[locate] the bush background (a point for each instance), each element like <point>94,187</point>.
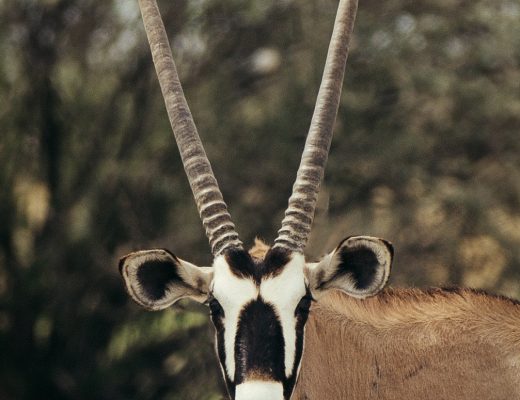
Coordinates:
<point>425,154</point>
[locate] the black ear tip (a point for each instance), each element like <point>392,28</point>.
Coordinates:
<point>389,246</point>
<point>171,254</point>
<point>342,242</point>
<point>121,263</point>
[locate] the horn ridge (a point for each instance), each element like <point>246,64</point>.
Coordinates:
<point>196,164</point>
<point>299,215</point>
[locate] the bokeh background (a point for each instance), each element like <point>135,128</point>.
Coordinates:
<point>426,153</point>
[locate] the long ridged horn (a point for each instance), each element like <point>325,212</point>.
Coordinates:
<point>297,222</point>
<point>210,203</point>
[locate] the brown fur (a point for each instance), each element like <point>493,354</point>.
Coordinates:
<point>412,344</point>
<point>259,250</point>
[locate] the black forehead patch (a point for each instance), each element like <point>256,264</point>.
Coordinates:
<point>275,260</point>
<point>243,265</point>
<point>259,343</point>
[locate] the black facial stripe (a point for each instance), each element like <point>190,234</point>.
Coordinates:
<point>302,313</point>
<point>259,343</point>
<point>217,319</point>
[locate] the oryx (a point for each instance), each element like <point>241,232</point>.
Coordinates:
<point>259,301</point>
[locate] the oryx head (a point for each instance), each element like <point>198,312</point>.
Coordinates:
<point>258,305</point>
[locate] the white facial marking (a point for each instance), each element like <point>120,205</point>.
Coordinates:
<point>232,293</point>
<point>284,292</point>
<point>259,390</point>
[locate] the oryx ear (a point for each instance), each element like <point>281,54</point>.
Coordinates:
<point>359,266</point>
<point>156,278</point>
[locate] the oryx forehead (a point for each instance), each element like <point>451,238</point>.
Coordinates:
<point>288,285</point>
<point>279,288</point>
<point>229,288</point>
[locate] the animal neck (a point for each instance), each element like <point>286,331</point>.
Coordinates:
<point>411,344</point>
<point>416,310</point>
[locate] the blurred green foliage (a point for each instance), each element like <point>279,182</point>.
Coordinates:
<point>426,154</point>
